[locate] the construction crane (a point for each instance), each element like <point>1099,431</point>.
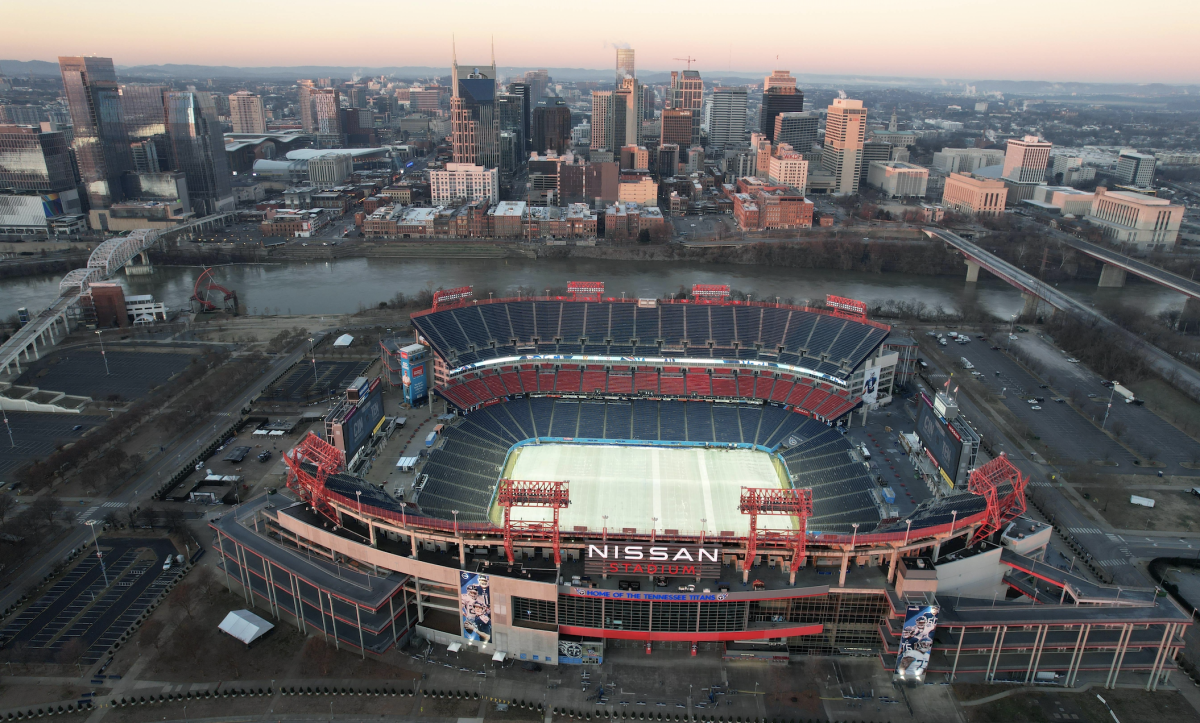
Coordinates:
<point>689,60</point>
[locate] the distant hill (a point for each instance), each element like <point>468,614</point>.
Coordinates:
<point>740,77</point>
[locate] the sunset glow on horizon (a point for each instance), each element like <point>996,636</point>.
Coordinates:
<point>1072,40</point>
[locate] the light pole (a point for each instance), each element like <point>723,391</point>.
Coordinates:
<point>1011,324</point>
<point>92,524</point>
<point>653,528</point>
<point>1111,392</point>
<point>8,426</point>
<point>703,529</point>
<point>953,521</point>
<point>102,354</point>
<point>604,530</point>
<point>312,351</point>
<point>854,537</point>
<point>907,529</point>
<point>455,513</point>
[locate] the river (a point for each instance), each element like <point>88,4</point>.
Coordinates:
<point>341,286</point>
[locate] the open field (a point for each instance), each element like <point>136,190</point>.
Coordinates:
<point>680,486</point>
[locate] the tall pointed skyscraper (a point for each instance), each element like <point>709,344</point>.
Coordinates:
<point>474,122</point>
<point>198,146</point>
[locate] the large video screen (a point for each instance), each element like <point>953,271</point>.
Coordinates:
<point>945,448</point>
<point>359,427</point>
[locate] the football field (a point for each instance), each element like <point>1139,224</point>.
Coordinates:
<point>680,486</point>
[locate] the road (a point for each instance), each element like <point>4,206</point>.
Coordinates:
<point>1159,276</point>
<point>1162,362</point>
<point>165,465</point>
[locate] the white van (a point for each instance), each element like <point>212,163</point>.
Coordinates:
<point>966,363</point>
<point>167,562</point>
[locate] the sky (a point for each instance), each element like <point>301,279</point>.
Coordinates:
<point>1064,40</point>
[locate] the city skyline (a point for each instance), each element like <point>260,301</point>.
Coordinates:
<point>996,54</point>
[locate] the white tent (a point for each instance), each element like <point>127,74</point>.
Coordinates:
<point>245,626</point>
<point>343,340</point>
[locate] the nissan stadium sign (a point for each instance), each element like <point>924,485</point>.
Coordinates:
<point>651,559</point>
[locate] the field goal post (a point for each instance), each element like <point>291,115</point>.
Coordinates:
<point>530,493</point>
<point>788,502</point>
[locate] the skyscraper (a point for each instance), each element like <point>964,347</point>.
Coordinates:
<point>1135,169</point>
<point>845,133</point>
<point>779,96</point>
<point>101,143</point>
<point>551,126</point>
<point>198,147</point>
<point>632,95</point>
<point>799,130</point>
<point>474,122</point>
<point>246,113</point>
<point>304,89</point>
<point>625,67</point>
<point>676,127</point>
<point>510,110</point>
<point>146,126</point>
<point>524,90</point>
<point>687,93</point>
<point>727,126</point>
<point>1026,159</point>
<point>602,101</point>
<point>34,160</point>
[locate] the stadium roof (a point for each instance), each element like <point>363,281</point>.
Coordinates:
<point>304,154</point>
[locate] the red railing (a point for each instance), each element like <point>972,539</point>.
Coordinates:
<point>614,300</point>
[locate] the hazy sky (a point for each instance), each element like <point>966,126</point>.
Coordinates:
<point>1096,40</point>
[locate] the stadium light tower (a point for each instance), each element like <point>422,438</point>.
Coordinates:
<point>529,493</point>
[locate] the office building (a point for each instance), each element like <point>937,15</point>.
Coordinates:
<point>1026,160</point>
<point>760,146</point>
<point>727,123</point>
<point>475,123</point>
<point>551,126</point>
<point>510,110</point>
<point>246,113</point>
<point>1135,218</point>
<point>101,142</point>
<point>649,101</point>
<point>666,160</point>
<point>899,180</point>
<point>780,95</point>
<point>1066,200</point>
<point>198,149</point>
<point>1135,169</point>
<point>600,181</point>
<point>676,127</point>
<point>845,132</point>
<point>525,91</point>
<point>466,181</point>
<point>798,130</point>
<point>329,170</point>
<point>34,160</point>
<point>625,65</point>
<point>581,135</point>
<point>788,168</point>
<point>629,103</point>
<point>602,101</point>
<point>966,160</point>
<point>639,188</point>
<point>687,93</point>
<point>972,194</point>
<point>635,158</point>
<point>146,126</point>
<point>873,151</point>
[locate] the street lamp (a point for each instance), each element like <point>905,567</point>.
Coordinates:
<point>653,528</point>
<point>1111,392</point>
<point>102,354</point>
<point>455,513</point>
<point>907,529</point>
<point>604,530</point>
<point>703,529</point>
<point>312,351</point>
<point>9,428</point>
<point>854,537</point>
<point>92,524</point>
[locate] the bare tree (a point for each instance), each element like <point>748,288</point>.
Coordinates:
<point>46,508</point>
<point>6,504</point>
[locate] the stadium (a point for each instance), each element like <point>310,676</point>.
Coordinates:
<point>675,473</point>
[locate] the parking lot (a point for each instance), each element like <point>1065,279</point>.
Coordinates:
<point>131,374</point>
<point>36,435</point>
<point>81,616</point>
<point>1072,437</point>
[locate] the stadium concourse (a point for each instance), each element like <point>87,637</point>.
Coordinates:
<point>674,473</point>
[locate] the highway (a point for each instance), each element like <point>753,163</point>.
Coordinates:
<point>1164,278</point>
<point>163,466</point>
<point>1165,364</point>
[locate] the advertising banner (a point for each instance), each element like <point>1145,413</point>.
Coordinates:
<point>475,602</point>
<point>945,450</point>
<point>358,428</point>
<point>415,384</point>
<point>916,642</point>
<point>645,559</point>
<point>871,386</point>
